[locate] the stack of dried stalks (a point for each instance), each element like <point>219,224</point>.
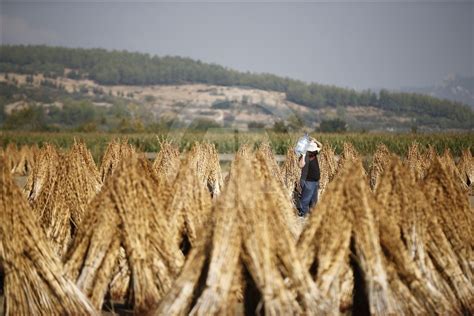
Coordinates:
<point>190,205</point>
<point>167,161</point>
<point>415,161</point>
<point>448,161</point>
<point>291,173</point>
<point>266,153</point>
<point>349,154</point>
<point>251,237</point>
<point>407,229</point>
<point>126,214</point>
<point>328,166</point>
<point>451,207</point>
<point>466,169</point>
<point>324,246</point>
<point>34,281</point>
<point>61,202</point>
<point>22,160</point>
<point>378,279</point>
<point>11,156</point>
<point>114,153</point>
<point>208,167</point>
<point>44,171</point>
<point>266,168</point>
<point>379,163</point>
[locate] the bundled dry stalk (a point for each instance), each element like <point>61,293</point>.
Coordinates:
<point>451,206</point>
<point>248,230</point>
<point>11,156</point>
<point>416,161</point>
<point>379,163</point>
<point>35,282</point>
<point>404,234</point>
<point>264,166</point>
<point>82,181</point>
<point>448,162</point>
<point>324,246</point>
<point>44,171</point>
<point>328,166</point>
<point>126,213</point>
<point>207,167</point>
<point>368,252</point>
<point>21,161</point>
<point>266,154</point>
<point>350,156</point>
<point>291,173</point>
<point>190,206</point>
<point>116,151</point>
<point>466,169</point>
<point>63,198</point>
<point>167,161</point>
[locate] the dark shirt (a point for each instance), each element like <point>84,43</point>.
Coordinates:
<point>311,170</point>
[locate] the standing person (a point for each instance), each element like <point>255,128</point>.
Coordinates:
<point>310,175</point>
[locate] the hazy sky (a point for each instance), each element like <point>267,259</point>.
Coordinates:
<point>351,44</point>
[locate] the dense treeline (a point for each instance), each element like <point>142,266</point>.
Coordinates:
<point>122,67</point>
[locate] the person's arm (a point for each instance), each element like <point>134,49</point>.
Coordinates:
<point>317,142</point>
<point>301,161</point>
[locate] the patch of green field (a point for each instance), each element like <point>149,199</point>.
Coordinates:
<point>228,141</point>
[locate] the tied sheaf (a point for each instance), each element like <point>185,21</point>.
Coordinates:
<point>174,236</point>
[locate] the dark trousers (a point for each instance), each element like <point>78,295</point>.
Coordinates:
<point>309,196</point>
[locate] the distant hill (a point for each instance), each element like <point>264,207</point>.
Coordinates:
<point>167,85</point>
<point>455,88</point>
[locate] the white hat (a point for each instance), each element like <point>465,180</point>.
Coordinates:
<point>313,146</point>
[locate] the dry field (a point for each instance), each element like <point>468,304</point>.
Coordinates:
<point>173,236</point>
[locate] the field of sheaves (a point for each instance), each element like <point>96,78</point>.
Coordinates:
<point>177,236</point>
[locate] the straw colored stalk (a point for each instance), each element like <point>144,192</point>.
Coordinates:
<point>448,161</point>
<point>368,252</point>
<point>328,165</point>
<point>245,152</point>
<point>446,262</point>
<point>282,247</point>
<point>350,156</point>
<point>404,234</point>
<point>466,169</point>
<point>116,151</point>
<point>208,167</point>
<point>379,163</point>
<point>118,288</point>
<point>126,213</point>
<point>291,173</point>
<point>246,227</point>
<point>190,206</point>
<point>35,282</point>
<point>215,181</point>
<point>11,156</point>
<point>266,154</point>
<point>264,168</point>
<point>179,299</point>
<point>415,161</point>
<point>224,258</point>
<point>61,203</point>
<point>451,206</point>
<point>216,258</point>
<point>44,171</point>
<point>325,249</point>
<point>167,161</point>
<point>25,161</point>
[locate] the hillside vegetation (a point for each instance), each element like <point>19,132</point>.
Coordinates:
<point>112,68</point>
